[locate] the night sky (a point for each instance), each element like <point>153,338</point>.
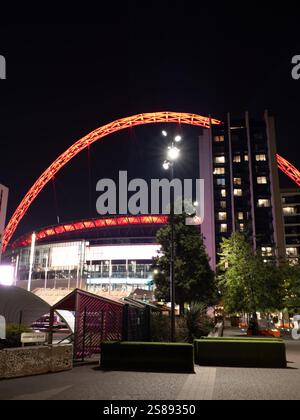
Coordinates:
<point>64,80</point>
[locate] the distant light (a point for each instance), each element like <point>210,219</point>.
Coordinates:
<point>178,139</point>
<point>166,165</point>
<point>6,275</point>
<point>196,204</point>
<point>155,271</point>
<point>173,153</point>
<point>164,133</point>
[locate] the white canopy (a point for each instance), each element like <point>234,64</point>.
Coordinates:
<point>17,305</point>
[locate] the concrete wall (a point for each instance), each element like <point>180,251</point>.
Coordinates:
<point>27,361</point>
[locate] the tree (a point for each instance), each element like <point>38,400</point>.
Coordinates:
<point>292,287</point>
<point>194,279</point>
<point>248,283</point>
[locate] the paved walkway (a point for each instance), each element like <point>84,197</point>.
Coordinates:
<point>86,382</point>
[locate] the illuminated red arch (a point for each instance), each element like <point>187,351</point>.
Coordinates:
<point>288,169</point>
<point>77,147</point>
<point>103,131</point>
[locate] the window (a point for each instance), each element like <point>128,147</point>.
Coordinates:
<point>241,227</point>
<point>237,158</point>
<point>240,215</point>
<point>220,159</point>
<point>221,181</point>
<point>219,139</point>
<point>223,193</point>
<point>263,202</point>
<point>219,171</point>
<point>237,192</point>
<point>222,215</point>
<point>261,157</point>
<point>223,227</point>
<point>246,158</point>
<point>237,181</point>
<point>289,210</point>
<point>291,252</point>
<point>223,204</point>
<point>262,180</point>
<point>266,251</point>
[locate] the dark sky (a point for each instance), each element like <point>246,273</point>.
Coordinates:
<point>64,80</point>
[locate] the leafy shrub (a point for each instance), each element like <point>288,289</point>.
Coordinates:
<point>194,324</point>
<point>197,322</point>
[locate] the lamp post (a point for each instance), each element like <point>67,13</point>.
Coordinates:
<point>173,155</point>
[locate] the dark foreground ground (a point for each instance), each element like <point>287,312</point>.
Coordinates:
<point>86,382</point>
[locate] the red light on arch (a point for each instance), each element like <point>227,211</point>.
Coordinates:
<point>288,169</point>
<point>103,131</point>
<point>77,147</point>
<point>86,225</point>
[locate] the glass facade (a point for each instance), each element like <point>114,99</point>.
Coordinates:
<point>123,267</point>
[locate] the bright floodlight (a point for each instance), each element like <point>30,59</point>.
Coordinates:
<point>173,153</point>
<point>6,275</point>
<point>166,165</point>
<point>178,139</point>
<point>164,133</point>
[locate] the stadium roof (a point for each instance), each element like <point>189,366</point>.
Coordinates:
<point>89,227</point>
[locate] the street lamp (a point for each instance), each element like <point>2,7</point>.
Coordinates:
<point>173,154</point>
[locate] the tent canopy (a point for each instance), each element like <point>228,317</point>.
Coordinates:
<point>19,306</point>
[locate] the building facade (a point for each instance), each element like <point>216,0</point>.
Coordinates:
<point>3,209</point>
<point>110,255</point>
<point>238,165</point>
<point>291,213</point>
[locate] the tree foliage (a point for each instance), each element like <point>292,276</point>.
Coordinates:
<point>292,287</point>
<point>194,279</point>
<point>248,283</point>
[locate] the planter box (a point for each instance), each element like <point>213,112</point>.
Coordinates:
<point>26,361</point>
<point>61,358</point>
<point>240,353</point>
<point>35,360</point>
<point>155,357</point>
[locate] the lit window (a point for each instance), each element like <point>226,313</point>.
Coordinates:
<point>237,158</point>
<point>263,202</point>
<point>223,227</point>
<point>240,215</point>
<point>242,227</point>
<point>220,159</point>
<point>262,180</point>
<point>266,251</point>
<point>221,181</point>
<point>223,193</point>
<point>218,139</point>
<point>238,192</point>
<point>219,171</point>
<point>261,157</point>
<point>237,181</point>
<point>289,210</point>
<point>222,215</point>
<point>223,204</point>
<point>291,252</point>
<point>246,158</point>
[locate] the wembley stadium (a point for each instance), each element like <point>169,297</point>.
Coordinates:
<point>111,255</point>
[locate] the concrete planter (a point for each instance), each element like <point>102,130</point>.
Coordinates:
<point>35,360</point>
